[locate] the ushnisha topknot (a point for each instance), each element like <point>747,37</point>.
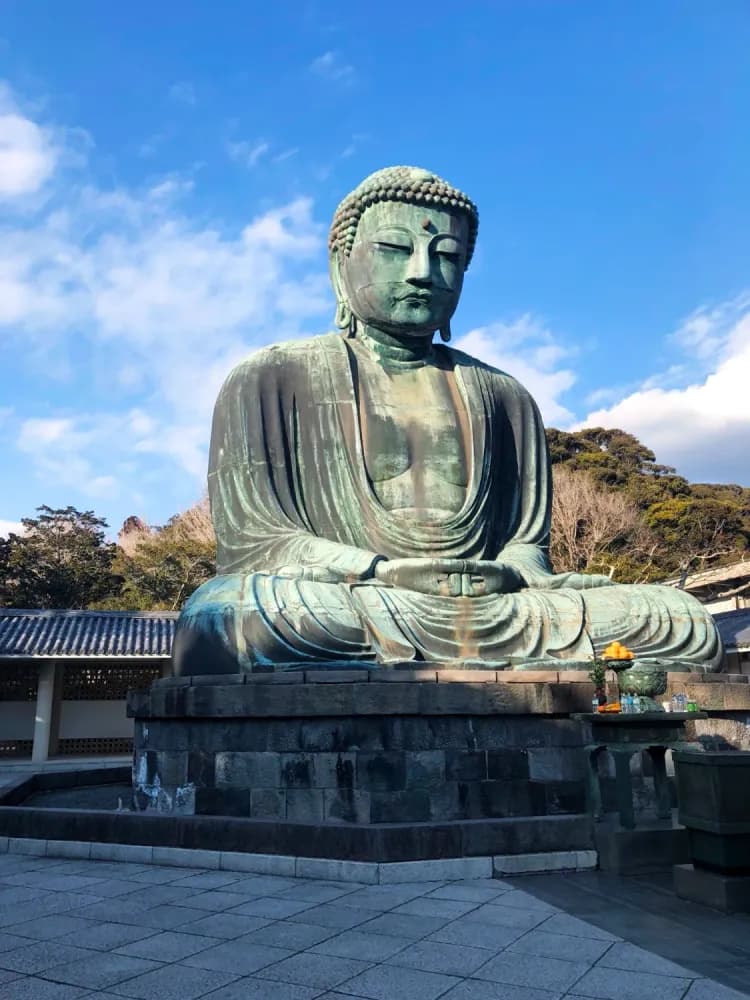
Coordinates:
<point>406,184</point>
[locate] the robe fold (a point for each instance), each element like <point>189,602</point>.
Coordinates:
<point>299,528</point>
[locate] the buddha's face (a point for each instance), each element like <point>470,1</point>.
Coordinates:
<point>406,267</point>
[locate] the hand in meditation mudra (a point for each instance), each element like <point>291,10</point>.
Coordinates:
<point>380,498</point>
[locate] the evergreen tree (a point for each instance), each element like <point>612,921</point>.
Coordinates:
<point>62,560</point>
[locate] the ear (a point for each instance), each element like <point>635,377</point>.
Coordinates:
<point>343,309</point>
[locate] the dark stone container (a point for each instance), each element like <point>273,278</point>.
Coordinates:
<point>713,791</point>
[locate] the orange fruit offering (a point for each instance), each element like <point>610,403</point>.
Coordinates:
<point>616,651</point>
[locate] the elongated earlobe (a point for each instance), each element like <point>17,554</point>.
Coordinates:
<point>445,332</point>
<point>343,317</point>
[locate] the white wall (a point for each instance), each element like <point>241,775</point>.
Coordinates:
<point>94,719</point>
<point>78,720</point>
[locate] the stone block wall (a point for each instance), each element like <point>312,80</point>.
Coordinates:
<point>351,747</point>
<point>408,769</point>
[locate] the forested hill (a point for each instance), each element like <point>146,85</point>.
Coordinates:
<point>615,510</point>
<point>619,511</point>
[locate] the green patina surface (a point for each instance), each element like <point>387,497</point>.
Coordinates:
<point>380,497</point>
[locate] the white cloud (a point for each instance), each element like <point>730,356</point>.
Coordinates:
<point>528,351</point>
<point>28,154</point>
<point>702,425</point>
<point>8,527</point>
<point>248,153</point>
<point>332,66</point>
<point>157,307</point>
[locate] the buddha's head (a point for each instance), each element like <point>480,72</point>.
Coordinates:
<point>399,246</point>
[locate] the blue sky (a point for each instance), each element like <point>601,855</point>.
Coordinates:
<point>168,172</point>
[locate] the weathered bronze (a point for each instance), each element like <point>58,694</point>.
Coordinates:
<point>379,497</point>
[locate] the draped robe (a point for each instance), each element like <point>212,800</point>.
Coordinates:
<point>299,528</point>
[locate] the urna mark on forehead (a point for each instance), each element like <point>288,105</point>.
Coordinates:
<point>400,185</point>
<point>421,221</point>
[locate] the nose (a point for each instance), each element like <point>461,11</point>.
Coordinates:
<point>419,271</point>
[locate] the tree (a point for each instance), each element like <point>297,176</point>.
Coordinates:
<point>700,531</point>
<point>161,567</point>
<point>598,530</point>
<point>690,524</point>
<point>62,560</point>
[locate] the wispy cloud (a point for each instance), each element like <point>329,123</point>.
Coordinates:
<point>151,145</point>
<point>183,92</point>
<point>332,66</point>
<point>248,153</point>
<point>286,155</point>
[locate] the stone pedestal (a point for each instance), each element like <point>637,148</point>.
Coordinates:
<point>364,748</point>
<point>645,849</point>
<point>728,893</point>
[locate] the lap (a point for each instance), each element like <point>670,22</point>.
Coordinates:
<point>282,620</point>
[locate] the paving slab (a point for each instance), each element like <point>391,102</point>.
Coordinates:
<point>403,925</point>
<point>516,969</point>
<point>319,971</point>
<point>386,982</point>
<point>40,955</point>
<point>466,892</point>
<point>616,984</point>
<point>704,989</point>
<point>549,945</point>
<point>29,988</point>
<point>54,926</point>
<point>107,936</point>
<point>286,934</point>
<point>225,925</point>
<point>272,907</point>
<point>333,915</point>
<point>438,956</point>
<point>631,958</point>
<point>474,989</point>
<point>491,937</point>
<point>97,971</point>
<point>240,957</point>
<point>173,982</point>
<point>366,947</point>
<point>563,923</point>
<point>263,989</point>
<point>429,906</point>
<point>168,946</point>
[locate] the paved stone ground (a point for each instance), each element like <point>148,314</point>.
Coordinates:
<point>110,930</point>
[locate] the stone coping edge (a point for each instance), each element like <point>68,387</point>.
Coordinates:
<point>328,869</point>
<point>408,673</point>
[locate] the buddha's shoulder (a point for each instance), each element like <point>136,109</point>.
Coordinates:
<point>500,380</point>
<point>286,354</point>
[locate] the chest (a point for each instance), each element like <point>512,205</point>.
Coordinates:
<point>413,421</point>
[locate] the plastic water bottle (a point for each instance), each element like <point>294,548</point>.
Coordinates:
<point>627,703</point>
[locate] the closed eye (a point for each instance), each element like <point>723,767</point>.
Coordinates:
<point>400,247</point>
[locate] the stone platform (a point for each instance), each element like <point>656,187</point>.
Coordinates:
<point>362,746</point>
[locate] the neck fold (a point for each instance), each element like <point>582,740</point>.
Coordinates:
<point>398,352</point>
